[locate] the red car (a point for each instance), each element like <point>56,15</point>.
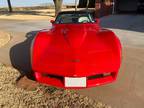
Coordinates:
<point>76,52</point>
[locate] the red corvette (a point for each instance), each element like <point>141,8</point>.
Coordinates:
<point>76,52</point>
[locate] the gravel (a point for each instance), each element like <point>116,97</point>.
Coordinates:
<point>4,38</point>
<point>42,96</point>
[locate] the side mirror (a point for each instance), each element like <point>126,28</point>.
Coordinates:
<point>52,21</point>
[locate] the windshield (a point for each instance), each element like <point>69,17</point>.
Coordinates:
<point>68,18</point>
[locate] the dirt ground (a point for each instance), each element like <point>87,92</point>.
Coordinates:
<point>40,14</point>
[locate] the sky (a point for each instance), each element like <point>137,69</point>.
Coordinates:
<point>3,3</point>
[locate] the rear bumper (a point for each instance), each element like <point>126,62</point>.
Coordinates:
<point>92,81</point>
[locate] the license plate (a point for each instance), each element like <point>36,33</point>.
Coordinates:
<point>75,82</point>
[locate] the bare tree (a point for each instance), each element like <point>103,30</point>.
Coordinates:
<point>58,6</point>
<point>9,5</point>
<point>76,5</point>
<point>87,5</point>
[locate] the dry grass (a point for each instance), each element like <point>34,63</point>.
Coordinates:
<point>41,97</point>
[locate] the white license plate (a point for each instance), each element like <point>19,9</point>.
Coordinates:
<point>75,82</point>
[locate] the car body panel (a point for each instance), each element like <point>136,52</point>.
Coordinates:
<point>76,50</point>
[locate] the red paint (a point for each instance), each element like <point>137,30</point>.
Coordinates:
<point>76,50</point>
